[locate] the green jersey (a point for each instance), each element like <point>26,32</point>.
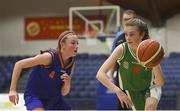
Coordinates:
<point>132,75</point>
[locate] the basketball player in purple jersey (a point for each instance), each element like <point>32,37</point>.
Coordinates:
<point>50,78</point>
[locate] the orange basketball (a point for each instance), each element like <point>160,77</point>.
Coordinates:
<point>149,53</point>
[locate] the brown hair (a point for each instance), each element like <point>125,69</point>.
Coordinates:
<point>141,25</point>
<point>62,37</point>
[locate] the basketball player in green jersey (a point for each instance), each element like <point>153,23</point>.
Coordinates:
<point>142,86</point>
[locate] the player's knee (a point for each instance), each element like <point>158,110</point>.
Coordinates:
<point>150,106</point>
<point>151,103</point>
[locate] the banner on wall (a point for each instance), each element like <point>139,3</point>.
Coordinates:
<point>42,28</point>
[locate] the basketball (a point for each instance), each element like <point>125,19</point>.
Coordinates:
<point>150,53</point>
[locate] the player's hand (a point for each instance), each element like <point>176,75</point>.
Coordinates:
<point>66,78</point>
<point>124,99</point>
<point>14,97</point>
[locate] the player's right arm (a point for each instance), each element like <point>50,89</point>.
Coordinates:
<point>110,73</point>
<point>41,59</point>
<point>101,76</point>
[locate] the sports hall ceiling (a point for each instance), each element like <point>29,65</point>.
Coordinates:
<point>156,11</point>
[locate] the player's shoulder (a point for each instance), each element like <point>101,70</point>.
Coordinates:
<point>53,51</point>
<point>43,56</point>
<point>122,45</point>
<point>119,48</point>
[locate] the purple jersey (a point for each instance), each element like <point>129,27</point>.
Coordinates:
<point>45,82</point>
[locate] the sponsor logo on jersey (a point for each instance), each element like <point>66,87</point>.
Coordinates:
<point>135,69</point>
<point>126,65</point>
<point>52,74</point>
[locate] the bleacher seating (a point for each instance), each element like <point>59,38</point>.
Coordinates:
<point>6,69</point>
<point>84,84</point>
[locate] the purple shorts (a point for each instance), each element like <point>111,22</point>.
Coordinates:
<point>32,102</point>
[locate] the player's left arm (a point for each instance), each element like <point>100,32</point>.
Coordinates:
<point>67,82</point>
<point>159,75</point>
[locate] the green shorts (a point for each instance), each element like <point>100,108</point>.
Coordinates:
<point>139,97</point>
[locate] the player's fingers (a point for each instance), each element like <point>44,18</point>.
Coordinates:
<point>129,103</point>
<point>64,76</point>
<point>12,99</point>
<point>17,99</point>
<point>126,104</point>
<point>122,104</point>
